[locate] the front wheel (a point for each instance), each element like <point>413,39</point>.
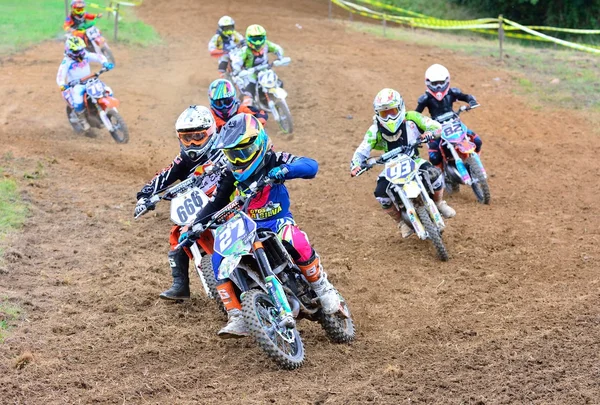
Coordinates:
<point>208,274</point>
<point>120,133</point>
<point>480,185</point>
<point>283,345</point>
<point>337,327</point>
<point>432,232</point>
<point>285,117</point>
<point>108,54</point>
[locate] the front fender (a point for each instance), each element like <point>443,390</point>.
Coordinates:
<point>278,92</point>
<point>108,102</point>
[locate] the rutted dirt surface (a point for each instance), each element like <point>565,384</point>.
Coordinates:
<point>512,318</point>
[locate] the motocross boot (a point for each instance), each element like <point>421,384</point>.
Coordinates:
<point>236,326</point>
<point>405,229</point>
<point>180,264</point>
<point>316,276</point>
<point>85,125</point>
<point>446,210</point>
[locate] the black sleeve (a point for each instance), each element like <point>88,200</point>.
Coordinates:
<point>220,199</point>
<point>179,169</point>
<point>459,95</point>
<point>261,115</point>
<point>422,103</point>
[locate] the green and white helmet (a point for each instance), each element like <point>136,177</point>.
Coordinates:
<point>390,112</point>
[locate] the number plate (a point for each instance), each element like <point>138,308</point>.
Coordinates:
<point>92,33</point>
<point>186,206</point>
<point>453,131</point>
<point>95,88</point>
<point>400,170</point>
<point>235,237</point>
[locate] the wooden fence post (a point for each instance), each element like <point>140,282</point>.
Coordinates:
<point>330,9</point>
<point>384,25</point>
<point>501,34</point>
<point>350,17</point>
<point>116,21</point>
<point>66,8</point>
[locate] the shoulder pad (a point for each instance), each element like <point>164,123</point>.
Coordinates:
<point>455,90</point>
<point>424,97</point>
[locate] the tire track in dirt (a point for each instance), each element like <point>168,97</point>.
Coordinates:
<point>512,318</point>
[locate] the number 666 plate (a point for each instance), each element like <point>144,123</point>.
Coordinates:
<point>186,206</point>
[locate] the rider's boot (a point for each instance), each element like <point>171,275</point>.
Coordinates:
<point>316,276</point>
<point>405,229</point>
<point>180,264</point>
<point>236,326</point>
<point>85,125</point>
<point>443,207</point>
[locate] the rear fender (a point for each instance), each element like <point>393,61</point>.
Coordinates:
<point>108,102</point>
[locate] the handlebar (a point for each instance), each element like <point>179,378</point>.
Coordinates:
<point>279,62</point>
<point>465,108</point>
<point>374,161</point>
<point>85,79</point>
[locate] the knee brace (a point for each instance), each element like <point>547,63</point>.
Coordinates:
<point>385,202</point>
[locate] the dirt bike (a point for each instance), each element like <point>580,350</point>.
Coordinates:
<point>274,292</point>
<point>232,52</point>
<point>462,164</point>
<point>410,191</point>
<point>187,199</point>
<point>100,108</point>
<point>269,94</point>
<point>95,42</point>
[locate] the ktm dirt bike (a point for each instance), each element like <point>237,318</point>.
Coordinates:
<point>231,52</point>
<point>410,190</point>
<point>269,94</point>
<point>95,42</point>
<point>100,108</point>
<point>187,199</point>
<point>462,164</point>
<point>274,292</point>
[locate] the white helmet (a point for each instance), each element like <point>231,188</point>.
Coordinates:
<point>390,112</point>
<point>195,128</point>
<point>226,25</point>
<point>437,80</point>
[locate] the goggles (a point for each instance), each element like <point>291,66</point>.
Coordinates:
<point>438,85</point>
<point>228,29</point>
<point>389,113</point>
<point>224,103</point>
<point>257,39</point>
<point>193,137</point>
<point>78,10</point>
<point>240,157</point>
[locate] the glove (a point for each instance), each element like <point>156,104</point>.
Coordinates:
<point>278,173</point>
<point>141,206</point>
<point>354,170</point>
<point>63,87</point>
<point>182,237</point>
<point>73,83</point>
<point>108,65</point>
<point>99,15</point>
<point>473,103</point>
<point>427,136</point>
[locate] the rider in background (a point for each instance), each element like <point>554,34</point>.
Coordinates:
<point>76,65</point>
<point>392,128</point>
<point>256,52</point>
<point>224,41</point>
<point>78,19</point>
<point>224,103</point>
<point>196,131</point>
<point>250,156</point>
<point>439,99</point>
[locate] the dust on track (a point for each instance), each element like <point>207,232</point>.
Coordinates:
<point>512,318</point>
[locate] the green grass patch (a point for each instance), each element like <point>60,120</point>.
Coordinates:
<point>24,23</point>
<point>9,315</point>
<point>556,76</point>
<point>12,208</point>
<point>442,9</point>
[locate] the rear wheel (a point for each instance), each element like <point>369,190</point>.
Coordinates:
<point>432,232</point>
<point>211,282</point>
<point>480,185</point>
<point>285,117</point>
<point>74,120</point>
<point>283,345</point>
<point>108,54</point>
<point>120,133</point>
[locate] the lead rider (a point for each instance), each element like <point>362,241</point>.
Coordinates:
<point>250,156</point>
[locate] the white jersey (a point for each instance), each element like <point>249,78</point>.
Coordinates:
<point>70,69</point>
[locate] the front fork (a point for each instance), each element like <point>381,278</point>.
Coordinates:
<point>198,263</point>
<point>104,118</point>
<point>460,166</point>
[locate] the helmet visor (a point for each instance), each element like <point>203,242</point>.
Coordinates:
<point>224,103</point>
<point>227,29</point>
<point>241,157</point>
<point>196,138</point>
<point>389,113</point>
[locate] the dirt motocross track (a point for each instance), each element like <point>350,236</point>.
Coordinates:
<point>512,318</point>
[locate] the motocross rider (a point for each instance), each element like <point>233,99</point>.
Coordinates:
<point>78,19</point>
<point>224,41</point>
<point>249,156</point>
<point>76,65</point>
<point>439,99</point>
<point>196,131</point>
<point>393,127</point>
<point>224,103</point>
<point>256,52</point>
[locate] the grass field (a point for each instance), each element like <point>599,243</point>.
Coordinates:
<point>12,209</point>
<point>560,76</point>
<point>24,23</point>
